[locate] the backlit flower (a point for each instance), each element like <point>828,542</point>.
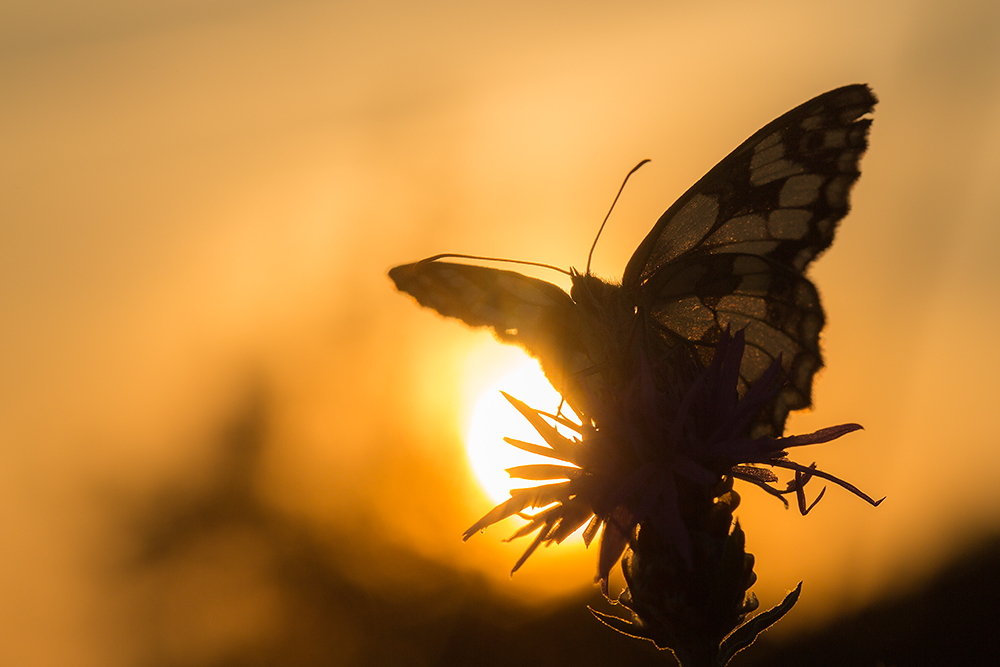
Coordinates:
<point>661,453</point>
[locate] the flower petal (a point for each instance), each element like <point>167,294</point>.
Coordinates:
<point>538,496</point>
<point>543,471</point>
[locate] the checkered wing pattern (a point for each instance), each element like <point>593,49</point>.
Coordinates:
<point>732,250</point>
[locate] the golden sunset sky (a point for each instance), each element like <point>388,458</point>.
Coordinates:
<point>199,202</point>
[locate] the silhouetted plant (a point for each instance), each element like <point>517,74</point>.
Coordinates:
<point>652,470</point>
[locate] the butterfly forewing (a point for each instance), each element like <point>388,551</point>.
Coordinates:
<point>534,314</point>
<point>779,194</point>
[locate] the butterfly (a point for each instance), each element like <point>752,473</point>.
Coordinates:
<point>730,253</point>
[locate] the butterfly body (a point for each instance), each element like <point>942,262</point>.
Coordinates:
<point>729,253</point>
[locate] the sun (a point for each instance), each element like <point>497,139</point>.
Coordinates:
<point>492,418</point>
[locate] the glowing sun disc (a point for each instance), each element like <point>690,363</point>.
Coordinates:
<point>493,418</point>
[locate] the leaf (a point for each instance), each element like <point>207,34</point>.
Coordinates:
<point>745,635</point>
<point>623,626</point>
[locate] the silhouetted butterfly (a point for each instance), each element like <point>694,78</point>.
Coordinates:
<point>730,252</point>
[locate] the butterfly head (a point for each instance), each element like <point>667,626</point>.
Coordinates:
<point>590,292</point>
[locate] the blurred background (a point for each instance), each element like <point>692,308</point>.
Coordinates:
<point>226,440</point>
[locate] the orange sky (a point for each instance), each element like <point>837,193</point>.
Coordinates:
<point>201,199</point>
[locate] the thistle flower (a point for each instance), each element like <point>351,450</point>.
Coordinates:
<point>646,449</point>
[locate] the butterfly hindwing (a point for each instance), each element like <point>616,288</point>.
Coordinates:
<point>779,311</point>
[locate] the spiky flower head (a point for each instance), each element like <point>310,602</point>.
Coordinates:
<point>660,452</point>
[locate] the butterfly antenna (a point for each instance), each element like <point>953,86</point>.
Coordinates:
<point>634,169</point>
<point>494,259</point>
